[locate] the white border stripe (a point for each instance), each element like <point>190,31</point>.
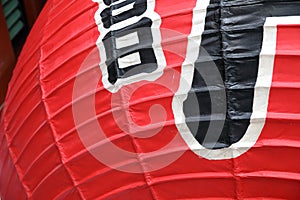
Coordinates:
<point>187,70</point>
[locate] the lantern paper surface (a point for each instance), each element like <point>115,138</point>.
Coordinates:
<point>155,99</point>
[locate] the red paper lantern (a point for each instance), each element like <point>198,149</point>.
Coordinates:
<point>147,99</point>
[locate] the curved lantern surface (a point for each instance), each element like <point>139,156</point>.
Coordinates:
<point>145,99</point>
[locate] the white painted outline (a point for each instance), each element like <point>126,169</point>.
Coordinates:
<point>158,51</point>
<point>261,90</point>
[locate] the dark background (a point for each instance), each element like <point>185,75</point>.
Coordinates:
<point>16,19</point>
